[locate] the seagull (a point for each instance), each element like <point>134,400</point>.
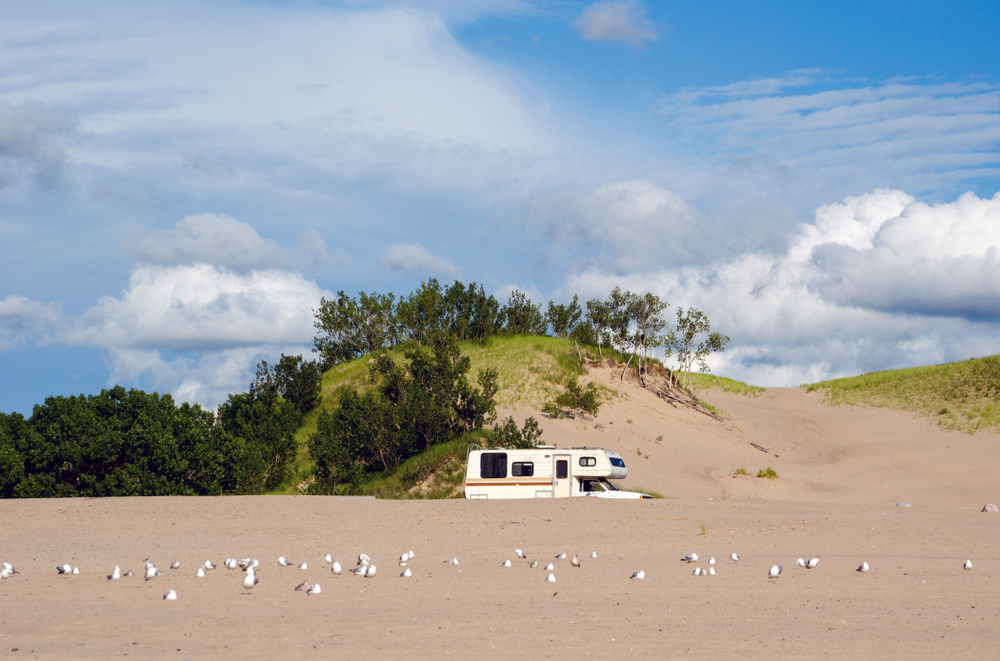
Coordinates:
<point>315,589</point>
<point>594,554</point>
<point>76,570</point>
<point>175,564</point>
<point>304,585</point>
<point>10,568</point>
<point>371,571</point>
<point>775,571</point>
<point>735,557</point>
<point>363,559</point>
<point>412,555</point>
<point>171,596</point>
<point>303,566</point>
<point>575,561</point>
<point>534,563</point>
<point>800,562</point>
<point>711,561</point>
<point>697,571</point>
<point>812,563</point>
<point>115,574</point>
<point>560,556</point>
<point>551,578</point>
<point>200,573</point>
<point>406,573</point>
<point>863,568</point>
<point>360,570</point>
<point>283,562</point>
<point>690,557</point>
<point>250,579</point>
<point>519,553</point>
<point>336,569</point>
<point>967,565</point>
<point>506,563</point>
<point>232,564</point>
<point>209,565</point>
<point>151,573</point>
<point>403,559</point>
<point>64,569</point>
<point>711,570</point>
<point>253,563</point>
<point>329,559</point>
<point>128,573</point>
<point>244,564</point>
<point>549,567</point>
<point>639,575</point>
<point>453,561</point>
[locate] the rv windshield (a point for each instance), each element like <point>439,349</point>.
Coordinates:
<point>607,485</point>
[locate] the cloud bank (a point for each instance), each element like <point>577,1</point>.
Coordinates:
<point>616,21</point>
<point>414,259</point>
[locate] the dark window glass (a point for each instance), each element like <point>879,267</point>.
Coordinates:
<point>615,461</point>
<point>522,469</point>
<point>588,461</point>
<point>562,469</point>
<point>493,464</point>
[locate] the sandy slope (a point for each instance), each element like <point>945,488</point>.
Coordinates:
<point>842,471</point>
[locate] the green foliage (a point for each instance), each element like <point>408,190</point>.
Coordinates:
<point>740,471</point>
<point>354,327</point>
<point>299,381</point>
<point>118,443</point>
<point>507,435</point>
<point>582,398</point>
<point>962,396</point>
<point>767,473</point>
<point>690,326</point>
<point>703,382</point>
<point>564,318</point>
<point>521,317</point>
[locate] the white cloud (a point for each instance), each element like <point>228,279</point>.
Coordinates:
<point>616,21</point>
<point>414,259</point>
<point>28,144</point>
<point>200,306</point>
<point>790,325</point>
<point>22,318</point>
<point>208,238</point>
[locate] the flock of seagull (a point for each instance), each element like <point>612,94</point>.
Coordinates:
<point>366,569</point>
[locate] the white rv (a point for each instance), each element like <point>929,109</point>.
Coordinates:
<point>544,472</point>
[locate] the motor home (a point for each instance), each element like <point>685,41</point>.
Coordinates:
<point>544,472</point>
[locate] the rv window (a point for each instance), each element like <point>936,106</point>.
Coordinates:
<point>493,464</point>
<point>522,469</point>
<point>588,461</point>
<point>619,463</point>
<point>562,469</point>
<point>591,485</point>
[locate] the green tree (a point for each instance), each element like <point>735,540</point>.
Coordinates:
<point>646,312</point>
<point>354,327</point>
<point>521,317</point>
<point>691,325</point>
<point>299,381</point>
<point>564,318</point>
<point>507,435</point>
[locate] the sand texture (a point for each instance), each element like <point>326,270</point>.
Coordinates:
<point>841,473</point>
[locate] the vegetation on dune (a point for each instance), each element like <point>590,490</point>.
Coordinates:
<point>963,396</point>
<point>703,382</point>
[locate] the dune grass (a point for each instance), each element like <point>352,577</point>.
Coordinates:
<point>701,381</point>
<point>963,396</point>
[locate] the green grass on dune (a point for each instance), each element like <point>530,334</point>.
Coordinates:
<point>702,382</point>
<point>963,396</point>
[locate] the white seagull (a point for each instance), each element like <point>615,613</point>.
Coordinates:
<point>250,579</point>
<point>812,563</point>
<point>200,573</point>
<point>360,570</point>
<point>551,578</point>
<point>711,571</point>
<point>303,566</point>
<point>170,596</point>
<point>453,561</point>
<point>336,569</point>
<point>115,574</point>
<point>711,561</point>
<point>76,570</point>
<point>64,569</point>
<point>697,571</point>
<point>175,564</point>
<point>864,567</point>
<point>231,563</point>
<point>304,585</point>
<point>329,559</point>
<point>690,557</point>
<point>151,573</point>
<point>519,553</point>
<point>594,554</point>
<point>639,575</point>
<point>403,559</point>
<point>967,565</point>
<point>412,555</point>
<point>363,559</point>
<point>534,563</point>
<point>575,561</point>
<point>10,568</point>
<point>775,571</point>
<point>283,562</point>
<point>371,571</point>
<point>735,557</point>
<point>549,567</point>
<point>560,556</point>
<point>406,573</point>
<point>506,563</point>
<point>801,562</point>
<point>209,565</point>
<point>315,589</point>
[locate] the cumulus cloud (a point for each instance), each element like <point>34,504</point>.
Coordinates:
<point>414,259</point>
<point>616,21</point>
<point>209,238</point>
<point>29,144</point>
<point>202,306</point>
<point>801,316</point>
<point>22,318</point>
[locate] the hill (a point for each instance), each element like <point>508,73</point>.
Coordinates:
<point>961,396</point>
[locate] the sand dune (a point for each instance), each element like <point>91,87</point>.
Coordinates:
<point>841,473</point>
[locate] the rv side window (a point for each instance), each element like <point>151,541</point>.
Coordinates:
<point>522,469</point>
<point>588,461</point>
<point>493,464</point>
<point>619,463</point>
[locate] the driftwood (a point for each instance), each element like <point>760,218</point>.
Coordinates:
<point>760,447</point>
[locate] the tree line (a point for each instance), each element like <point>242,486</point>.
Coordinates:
<point>128,442</point>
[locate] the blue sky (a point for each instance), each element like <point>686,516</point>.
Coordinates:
<point>180,185</point>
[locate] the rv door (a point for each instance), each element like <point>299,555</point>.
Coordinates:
<point>562,485</point>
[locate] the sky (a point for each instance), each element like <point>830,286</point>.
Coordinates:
<point>181,184</point>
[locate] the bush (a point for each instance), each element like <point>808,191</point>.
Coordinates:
<point>767,473</point>
<point>507,435</point>
<point>586,398</point>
